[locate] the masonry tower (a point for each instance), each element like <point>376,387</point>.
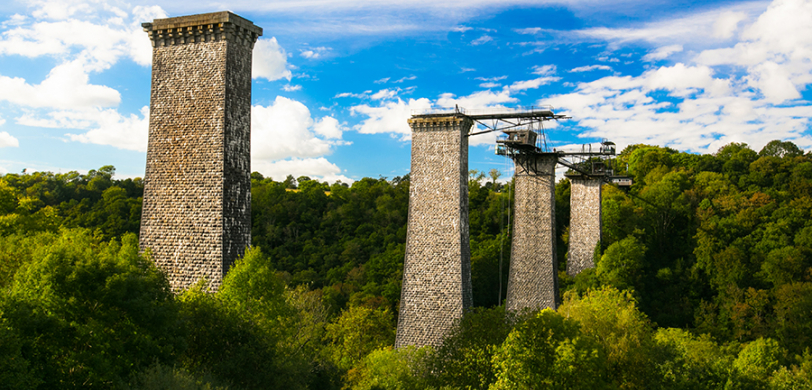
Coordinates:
<point>437,268</point>
<point>533,277</point>
<point>585,221</point>
<point>196,218</point>
<point>589,169</point>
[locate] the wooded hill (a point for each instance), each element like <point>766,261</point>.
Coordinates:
<point>704,280</point>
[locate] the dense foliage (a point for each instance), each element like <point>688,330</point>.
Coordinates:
<point>703,279</point>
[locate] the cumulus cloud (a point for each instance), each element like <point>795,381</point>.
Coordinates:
<point>702,114</point>
<point>291,88</point>
<point>66,87</point>
<point>85,38</point>
<point>748,92</point>
<point>7,140</point>
<point>286,129</point>
<point>775,51</point>
<point>390,117</point>
<point>315,168</point>
<point>285,139</point>
<point>101,33</point>
<point>727,23</point>
<point>384,94</point>
<point>315,52</point>
<point>113,129</point>
<point>270,60</point>
<point>477,100</point>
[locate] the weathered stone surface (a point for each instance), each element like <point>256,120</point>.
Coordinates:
<point>437,269</point>
<point>533,278</point>
<point>196,217</point>
<point>585,223</point>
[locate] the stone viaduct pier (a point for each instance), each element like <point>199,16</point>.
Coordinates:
<point>585,221</point>
<point>196,217</point>
<point>436,286</point>
<point>437,268</point>
<point>533,277</point>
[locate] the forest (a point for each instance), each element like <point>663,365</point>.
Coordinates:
<point>703,280</point>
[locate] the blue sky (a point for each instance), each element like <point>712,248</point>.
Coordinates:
<point>336,80</point>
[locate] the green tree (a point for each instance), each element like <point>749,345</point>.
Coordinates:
<point>548,351</point>
<point>611,317</point>
<point>89,312</point>
<point>357,332</point>
<point>622,263</point>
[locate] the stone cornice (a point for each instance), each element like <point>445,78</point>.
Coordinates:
<point>212,27</point>
<point>445,123</point>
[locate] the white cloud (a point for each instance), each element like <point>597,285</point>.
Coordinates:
<point>402,79</point>
<point>66,87</point>
<point>481,40</point>
<point>701,114</point>
<point>531,84</point>
<point>462,29</point>
<point>589,68</point>
<point>390,117</point>
<point>545,70</point>
<point>315,168</point>
<point>101,33</point>
<point>662,52</point>
<point>746,91</point>
<point>84,37</point>
<point>354,95</point>
<point>477,100</point>
<point>286,129</point>
<point>328,127</point>
<point>291,88</point>
<point>529,30</point>
<point>382,81</point>
<point>285,140</point>
<point>775,51</point>
<point>385,94</point>
<point>270,60</point>
<point>727,23</point>
<point>7,140</point>
<point>490,85</point>
<point>491,79</point>
<point>314,53</point>
<point>3,171</point>
<point>113,129</point>
<point>699,28</point>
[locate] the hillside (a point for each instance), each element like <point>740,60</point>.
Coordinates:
<point>704,281</point>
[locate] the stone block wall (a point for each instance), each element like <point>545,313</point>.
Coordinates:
<point>196,217</point>
<point>533,277</point>
<point>437,269</point>
<point>585,223</point>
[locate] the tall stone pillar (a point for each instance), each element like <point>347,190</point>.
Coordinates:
<point>533,278</point>
<point>437,269</point>
<point>196,218</point>
<point>585,222</point>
